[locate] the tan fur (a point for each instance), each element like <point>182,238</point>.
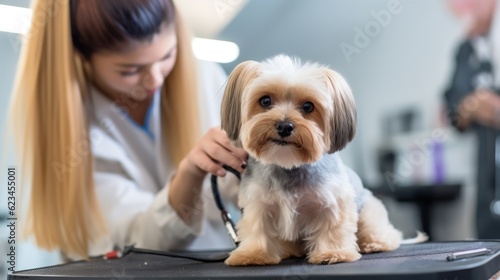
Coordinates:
<point>237,82</point>
<point>272,223</point>
<point>319,221</point>
<point>256,132</point>
<point>375,232</point>
<point>344,117</point>
<point>335,241</point>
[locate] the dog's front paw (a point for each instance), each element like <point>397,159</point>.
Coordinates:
<point>377,246</point>
<point>253,257</point>
<point>337,256</point>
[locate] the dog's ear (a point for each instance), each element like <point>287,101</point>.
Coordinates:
<point>238,80</point>
<point>343,120</point>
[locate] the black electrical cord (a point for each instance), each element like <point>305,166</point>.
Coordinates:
<point>226,217</point>
<point>196,256</point>
<point>213,256</point>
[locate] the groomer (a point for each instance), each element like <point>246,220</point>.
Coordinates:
<point>474,103</point>
<point>117,125</point>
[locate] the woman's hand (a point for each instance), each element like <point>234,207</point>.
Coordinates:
<point>213,150</point>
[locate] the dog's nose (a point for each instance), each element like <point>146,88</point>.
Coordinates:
<point>284,128</point>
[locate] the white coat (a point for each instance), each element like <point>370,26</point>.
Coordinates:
<point>132,176</point>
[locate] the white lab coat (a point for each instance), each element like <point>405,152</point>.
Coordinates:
<point>132,176</point>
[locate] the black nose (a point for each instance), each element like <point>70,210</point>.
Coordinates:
<point>284,128</point>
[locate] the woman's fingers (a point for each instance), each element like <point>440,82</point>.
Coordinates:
<point>222,155</point>
<point>207,164</point>
<point>220,137</point>
<point>215,150</point>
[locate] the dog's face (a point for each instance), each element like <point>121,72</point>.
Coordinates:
<point>285,113</point>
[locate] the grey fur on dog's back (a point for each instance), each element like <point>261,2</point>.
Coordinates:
<point>274,177</point>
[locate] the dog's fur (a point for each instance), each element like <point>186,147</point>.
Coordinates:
<point>298,197</point>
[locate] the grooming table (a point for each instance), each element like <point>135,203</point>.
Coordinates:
<point>418,261</point>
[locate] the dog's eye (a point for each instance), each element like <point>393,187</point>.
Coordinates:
<point>265,101</point>
<point>307,107</point>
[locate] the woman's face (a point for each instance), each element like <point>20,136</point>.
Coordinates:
<point>138,70</point>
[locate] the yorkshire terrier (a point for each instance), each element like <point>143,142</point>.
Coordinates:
<point>297,196</point>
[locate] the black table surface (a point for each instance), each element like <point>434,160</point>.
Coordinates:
<point>417,261</point>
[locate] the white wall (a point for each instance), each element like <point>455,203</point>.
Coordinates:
<point>407,64</point>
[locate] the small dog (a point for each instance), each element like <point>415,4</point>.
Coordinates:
<point>297,196</point>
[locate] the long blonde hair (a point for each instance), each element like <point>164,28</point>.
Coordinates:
<point>50,127</point>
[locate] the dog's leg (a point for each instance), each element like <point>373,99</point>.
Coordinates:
<point>375,232</point>
<point>258,245</point>
<point>333,239</point>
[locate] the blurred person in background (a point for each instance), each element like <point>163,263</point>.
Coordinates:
<point>473,101</point>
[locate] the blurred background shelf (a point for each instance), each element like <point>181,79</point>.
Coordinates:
<point>424,196</point>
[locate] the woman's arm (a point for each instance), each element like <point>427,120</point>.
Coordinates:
<point>136,216</point>
<point>213,149</point>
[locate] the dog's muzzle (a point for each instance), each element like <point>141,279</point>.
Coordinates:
<point>284,128</point>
